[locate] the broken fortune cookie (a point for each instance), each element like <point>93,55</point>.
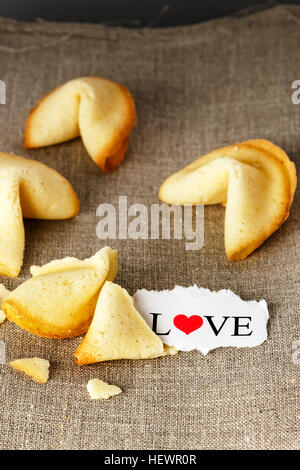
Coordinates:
<point>34,367</point>
<point>3,293</point>
<point>118,331</point>
<point>100,390</point>
<point>60,299</point>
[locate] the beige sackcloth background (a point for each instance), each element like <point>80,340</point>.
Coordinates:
<point>196,88</point>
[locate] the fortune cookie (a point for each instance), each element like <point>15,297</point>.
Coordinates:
<point>32,190</point>
<point>102,112</point>
<point>256,181</point>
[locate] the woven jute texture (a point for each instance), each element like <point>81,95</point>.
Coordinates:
<point>196,88</point>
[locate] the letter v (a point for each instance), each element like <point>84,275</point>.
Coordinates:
<point>212,325</point>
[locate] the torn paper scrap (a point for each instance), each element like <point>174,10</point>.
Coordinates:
<point>196,318</point>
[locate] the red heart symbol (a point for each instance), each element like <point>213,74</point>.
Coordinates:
<point>188,324</point>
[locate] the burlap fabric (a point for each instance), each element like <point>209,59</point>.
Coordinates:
<point>196,88</point>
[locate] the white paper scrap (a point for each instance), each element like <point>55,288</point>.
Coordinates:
<point>196,318</point>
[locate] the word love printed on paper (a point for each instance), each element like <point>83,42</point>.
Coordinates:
<point>196,318</point>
